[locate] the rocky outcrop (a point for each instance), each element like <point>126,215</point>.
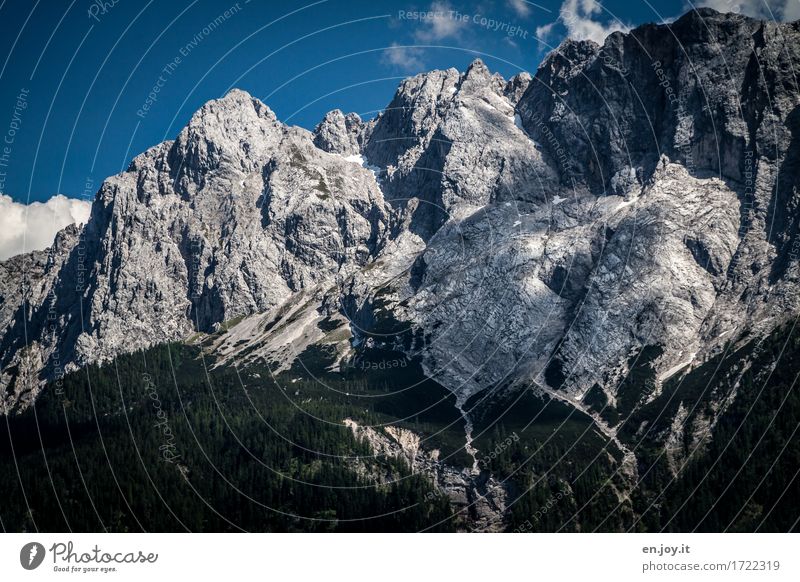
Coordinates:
<point>341,134</point>
<point>450,144</point>
<point>479,500</point>
<point>703,91</point>
<point>31,313</point>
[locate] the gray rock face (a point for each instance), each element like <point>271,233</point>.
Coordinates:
<point>340,134</point>
<point>692,90</point>
<point>715,94</point>
<point>450,145</point>
<point>478,501</point>
<point>651,202</point>
<point>29,304</point>
<point>658,278</point>
<point>516,87</point>
<point>231,219</point>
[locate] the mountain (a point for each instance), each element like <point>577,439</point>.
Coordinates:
<point>590,238</point>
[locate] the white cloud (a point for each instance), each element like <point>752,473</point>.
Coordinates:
<point>408,59</point>
<point>784,10</point>
<point>521,7</point>
<point>791,11</point>
<point>28,227</point>
<point>439,24</point>
<point>579,17</point>
<point>545,30</point>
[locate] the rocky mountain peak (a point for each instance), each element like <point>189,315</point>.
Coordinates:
<point>705,24</point>
<point>478,78</point>
<point>338,133</point>
<point>230,114</point>
<point>412,116</point>
<point>516,86</point>
<point>237,130</point>
<point>476,71</point>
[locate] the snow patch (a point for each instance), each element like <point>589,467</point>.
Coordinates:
<point>624,204</point>
<point>676,368</point>
<point>518,123</point>
<point>361,161</point>
<point>356,159</point>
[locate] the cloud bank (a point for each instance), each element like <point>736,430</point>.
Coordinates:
<point>580,18</point>
<point>407,59</point>
<point>439,24</point>
<point>521,7</point>
<point>29,227</point>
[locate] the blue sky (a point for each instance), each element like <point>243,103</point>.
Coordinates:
<point>84,68</point>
